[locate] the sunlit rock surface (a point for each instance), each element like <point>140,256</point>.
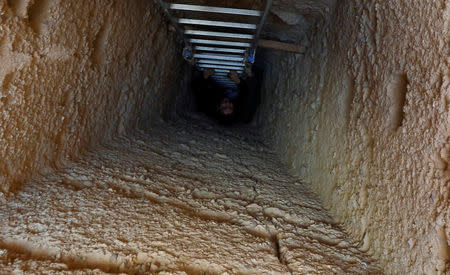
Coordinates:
<point>363,118</point>
<point>188,198</point>
<point>75,73</point>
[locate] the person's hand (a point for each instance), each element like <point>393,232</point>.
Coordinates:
<point>208,73</point>
<point>234,77</point>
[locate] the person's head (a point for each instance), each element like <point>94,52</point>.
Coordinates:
<point>225,111</point>
<point>226,107</point>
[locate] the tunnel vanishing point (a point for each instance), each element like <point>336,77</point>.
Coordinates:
<point>106,167</point>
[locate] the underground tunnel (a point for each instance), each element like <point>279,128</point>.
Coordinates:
<point>106,166</point>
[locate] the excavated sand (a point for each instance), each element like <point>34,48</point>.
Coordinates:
<point>184,199</point>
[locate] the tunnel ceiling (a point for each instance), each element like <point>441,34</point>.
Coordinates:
<point>288,21</point>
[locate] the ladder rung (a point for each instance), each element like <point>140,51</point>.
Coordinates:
<point>219,42</point>
<point>221,78</point>
<point>214,49</point>
<point>219,57</point>
<point>219,67</point>
<point>219,34</point>
<point>226,84</point>
<point>216,23</point>
<point>214,9</point>
<point>220,62</point>
<point>224,81</point>
<point>222,70</point>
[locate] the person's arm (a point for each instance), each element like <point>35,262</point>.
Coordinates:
<point>241,83</point>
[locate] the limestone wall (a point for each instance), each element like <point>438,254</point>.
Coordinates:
<point>74,73</point>
<point>363,118</point>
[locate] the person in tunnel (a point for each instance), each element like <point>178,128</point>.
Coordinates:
<point>227,105</point>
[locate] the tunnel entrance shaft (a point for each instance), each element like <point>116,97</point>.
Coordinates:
<point>357,113</point>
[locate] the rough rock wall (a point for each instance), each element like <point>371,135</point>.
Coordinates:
<point>74,73</point>
<point>364,118</point>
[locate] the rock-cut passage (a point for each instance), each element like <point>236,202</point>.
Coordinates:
<point>187,198</point>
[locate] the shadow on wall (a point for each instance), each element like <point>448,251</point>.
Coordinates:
<point>38,12</point>
<point>396,92</point>
<point>98,56</point>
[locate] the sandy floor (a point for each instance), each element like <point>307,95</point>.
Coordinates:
<point>187,198</point>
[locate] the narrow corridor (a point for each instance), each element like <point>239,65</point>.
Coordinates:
<point>187,198</point>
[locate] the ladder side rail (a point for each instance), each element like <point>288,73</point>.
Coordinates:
<point>259,29</point>
<point>261,23</point>
<point>165,7</point>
